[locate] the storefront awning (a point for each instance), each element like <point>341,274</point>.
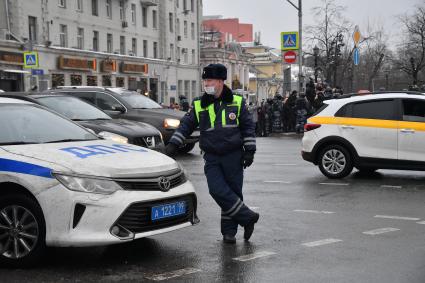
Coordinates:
<point>16,71</point>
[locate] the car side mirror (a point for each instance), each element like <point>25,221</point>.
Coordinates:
<point>118,108</point>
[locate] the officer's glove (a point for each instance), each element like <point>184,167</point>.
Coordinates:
<point>247,159</point>
<point>171,149</point>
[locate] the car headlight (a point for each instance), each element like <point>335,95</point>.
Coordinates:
<point>113,137</point>
<point>171,123</point>
<point>88,185</point>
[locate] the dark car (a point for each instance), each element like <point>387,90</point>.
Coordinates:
<point>130,105</point>
<point>90,117</point>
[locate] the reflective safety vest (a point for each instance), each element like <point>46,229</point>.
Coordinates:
<point>229,113</point>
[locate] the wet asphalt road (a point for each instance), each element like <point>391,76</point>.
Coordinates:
<point>311,229</point>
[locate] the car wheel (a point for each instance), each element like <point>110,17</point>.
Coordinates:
<point>186,147</point>
<point>22,231</point>
<point>335,162</point>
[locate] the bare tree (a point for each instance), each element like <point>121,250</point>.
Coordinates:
<point>410,55</point>
<point>329,34</point>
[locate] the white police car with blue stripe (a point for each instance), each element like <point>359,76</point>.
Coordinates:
<point>60,185</point>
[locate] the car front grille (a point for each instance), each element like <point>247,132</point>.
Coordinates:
<point>137,217</point>
<point>152,184</point>
<point>149,142</point>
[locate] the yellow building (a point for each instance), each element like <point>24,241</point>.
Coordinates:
<point>266,73</point>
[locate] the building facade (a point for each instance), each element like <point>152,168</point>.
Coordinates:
<point>231,29</point>
<point>146,45</point>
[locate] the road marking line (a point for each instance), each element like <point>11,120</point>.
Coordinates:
<point>397,217</point>
<point>380,231</point>
<point>278,182</point>
<point>254,256</point>
<point>391,187</point>
<point>334,184</point>
<point>421,222</point>
<point>321,242</point>
<point>254,207</point>
<point>280,164</point>
<point>313,211</point>
<point>172,274</point>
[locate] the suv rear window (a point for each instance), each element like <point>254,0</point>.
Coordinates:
<point>413,110</point>
<point>323,107</point>
<point>375,109</point>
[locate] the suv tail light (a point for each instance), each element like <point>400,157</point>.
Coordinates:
<point>311,127</point>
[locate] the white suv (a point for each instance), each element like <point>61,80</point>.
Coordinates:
<point>369,132</point>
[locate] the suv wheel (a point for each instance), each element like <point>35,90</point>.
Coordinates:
<point>22,231</point>
<point>335,162</point>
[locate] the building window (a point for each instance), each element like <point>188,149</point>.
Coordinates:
<point>155,50</point>
<point>122,45</point>
<point>193,90</point>
<point>106,80</point>
<point>185,5</point>
<point>94,8</point>
<point>145,16</point>
<point>122,15</point>
<point>154,19</point>
<point>79,5</point>
<point>187,88</point>
<point>32,28</point>
<point>172,52</point>
<point>171,22</point>
<point>178,26</point>
<point>134,46</point>
<point>109,43</point>
<point>120,82</point>
<point>192,5</point>
<point>133,14</point>
<point>76,80</point>
<point>63,36</point>
<point>192,31</point>
<point>58,80</point>
<point>177,3</point>
<point>145,48</point>
<point>185,28</point>
<point>62,3</point>
<point>109,9</point>
<point>193,57</point>
<point>186,57</point>
<point>95,40</point>
<point>178,54</point>
<point>92,80</point>
<point>180,88</point>
<point>80,38</point>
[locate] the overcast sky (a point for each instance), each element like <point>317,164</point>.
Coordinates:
<point>274,16</point>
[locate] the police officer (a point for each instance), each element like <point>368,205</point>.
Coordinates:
<point>228,141</point>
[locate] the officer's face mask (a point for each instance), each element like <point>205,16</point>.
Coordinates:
<point>210,90</point>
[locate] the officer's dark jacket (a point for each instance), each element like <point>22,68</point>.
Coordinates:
<point>234,134</point>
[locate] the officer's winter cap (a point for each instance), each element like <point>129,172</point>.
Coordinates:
<point>215,71</point>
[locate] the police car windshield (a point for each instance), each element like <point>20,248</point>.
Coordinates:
<point>73,108</point>
<point>30,124</point>
<point>136,100</point>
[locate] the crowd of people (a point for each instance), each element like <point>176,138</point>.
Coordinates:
<point>290,113</point>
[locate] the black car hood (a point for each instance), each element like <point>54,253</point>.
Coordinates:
<point>160,113</point>
<point>121,127</point>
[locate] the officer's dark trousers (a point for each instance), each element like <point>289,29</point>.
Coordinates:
<point>225,179</point>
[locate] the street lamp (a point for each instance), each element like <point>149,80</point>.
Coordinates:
<point>316,51</point>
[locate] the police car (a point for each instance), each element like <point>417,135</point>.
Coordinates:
<point>369,132</point>
<point>61,185</point>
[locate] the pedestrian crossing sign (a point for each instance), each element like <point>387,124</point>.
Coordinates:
<point>289,40</point>
<point>30,59</point>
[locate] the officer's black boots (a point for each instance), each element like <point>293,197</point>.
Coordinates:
<point>228,239</point>
<point>249,228</point>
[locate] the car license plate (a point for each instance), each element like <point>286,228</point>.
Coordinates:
<point>168,210</point>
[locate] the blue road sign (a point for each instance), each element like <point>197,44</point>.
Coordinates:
<point>289,40</point>
<point>356,56</point>
<point>37,72</point>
